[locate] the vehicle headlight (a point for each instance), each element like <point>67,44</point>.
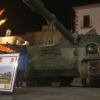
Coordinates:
<point>92,48</point>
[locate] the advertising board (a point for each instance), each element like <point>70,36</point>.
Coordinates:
<point>8,71</point>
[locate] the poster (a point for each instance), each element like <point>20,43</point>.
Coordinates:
<point>8,71</point>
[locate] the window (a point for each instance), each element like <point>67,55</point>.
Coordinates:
<point>86,21</point>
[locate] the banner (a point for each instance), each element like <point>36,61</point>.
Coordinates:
<point>8,71</point>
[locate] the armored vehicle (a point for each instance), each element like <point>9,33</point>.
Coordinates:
<point>5,78</point>
<point>76,56</point>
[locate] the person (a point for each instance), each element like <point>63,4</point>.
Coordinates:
<point>22,67</point>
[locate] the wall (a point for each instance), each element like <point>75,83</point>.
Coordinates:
<point>39,36</point>
<point>34,37</point>
<point>94,16</point>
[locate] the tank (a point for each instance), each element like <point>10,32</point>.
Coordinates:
<point>76,56</point>
<point>5,78</point>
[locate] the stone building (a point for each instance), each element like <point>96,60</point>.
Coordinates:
<point>87,17</point>
<point>38,37</point>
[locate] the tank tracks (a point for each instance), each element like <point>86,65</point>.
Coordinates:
<point>64,81</point>
<point>94,72</point>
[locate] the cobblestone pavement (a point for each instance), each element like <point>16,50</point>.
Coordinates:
<point>48,93</point>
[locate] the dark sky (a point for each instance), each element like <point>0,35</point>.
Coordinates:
<point>22,19</point>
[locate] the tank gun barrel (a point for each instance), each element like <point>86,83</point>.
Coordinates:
<point>38,6</point>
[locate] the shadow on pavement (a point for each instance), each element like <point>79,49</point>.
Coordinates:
<point>19,91</point>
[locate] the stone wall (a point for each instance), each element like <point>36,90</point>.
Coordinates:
<point>39,36</point>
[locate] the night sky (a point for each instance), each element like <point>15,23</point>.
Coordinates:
<point>22,19</point>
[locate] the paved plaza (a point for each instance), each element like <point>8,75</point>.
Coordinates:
<point>77,92</point>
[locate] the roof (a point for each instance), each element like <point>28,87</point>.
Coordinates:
<point>86,6</point>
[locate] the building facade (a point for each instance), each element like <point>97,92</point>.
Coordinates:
<point>87,17</point>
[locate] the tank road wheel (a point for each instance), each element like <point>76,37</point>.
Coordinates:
<point>60,80</point>
<point>31,82</point>
<point>48,81</point>
<point>34,82</point>
<point>64,82</point>
<point>55,79</point>
<point>28,83</point>
<point>42,82</point>
<point>94,72</point>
